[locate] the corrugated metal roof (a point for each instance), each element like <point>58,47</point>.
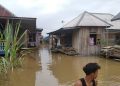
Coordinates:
<point>115,25</point>
<point>25,23</point>
<point>11,17</point>
<point>107,18</point>
<point>5,12</point>
<point>93,19</point>
<point>104,16</point>
<point>117,17</point>
<point>61,30</point>
<point>73,22</point>
<point>87,19</point>
<point>39,29</point>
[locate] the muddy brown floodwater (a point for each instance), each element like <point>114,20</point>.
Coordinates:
<point>44,68</point>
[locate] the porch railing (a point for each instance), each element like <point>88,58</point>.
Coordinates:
<point>2,45</point>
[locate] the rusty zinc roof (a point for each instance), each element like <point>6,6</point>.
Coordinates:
<point>5,12</point>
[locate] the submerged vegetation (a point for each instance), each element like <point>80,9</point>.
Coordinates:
<point>12,45</point>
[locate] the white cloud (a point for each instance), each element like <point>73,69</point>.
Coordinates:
<point>44,6</point>
<point>51,12</point>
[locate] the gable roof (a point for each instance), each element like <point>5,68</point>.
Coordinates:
<point>87,19</point>
<point>5,12</point>
<point>110,19</point>
<point>117,17</point>
<point>115,25</point>
<point>104,16</point>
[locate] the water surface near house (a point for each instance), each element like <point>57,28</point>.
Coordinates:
<point>46,69</point>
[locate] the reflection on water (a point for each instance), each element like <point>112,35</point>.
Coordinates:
<point>25,76</point>
<point>61,70</point>
<point>45,76</point>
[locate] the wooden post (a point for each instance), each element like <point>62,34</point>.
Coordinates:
<point>26,38</point>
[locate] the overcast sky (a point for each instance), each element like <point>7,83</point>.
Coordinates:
<point>50,13</point>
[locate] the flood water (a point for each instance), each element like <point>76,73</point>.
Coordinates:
<point>46,69</point>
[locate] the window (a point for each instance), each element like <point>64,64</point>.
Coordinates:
<point>92,39</point>
<point>32,37</point>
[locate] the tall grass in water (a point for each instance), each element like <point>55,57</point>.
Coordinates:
<point>12,46</point>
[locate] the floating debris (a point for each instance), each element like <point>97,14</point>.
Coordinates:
<point>66,50</point>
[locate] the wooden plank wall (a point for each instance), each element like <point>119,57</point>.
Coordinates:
<point>75,39</point>
<point>81,40</point>
<point>111,39</point>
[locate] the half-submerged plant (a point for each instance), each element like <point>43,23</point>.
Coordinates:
<point>12,47</point>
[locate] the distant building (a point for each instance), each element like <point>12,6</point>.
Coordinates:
<point>39,37</point>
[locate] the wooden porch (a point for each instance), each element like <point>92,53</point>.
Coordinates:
<point>2,45</point>
<point>27,25</point>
